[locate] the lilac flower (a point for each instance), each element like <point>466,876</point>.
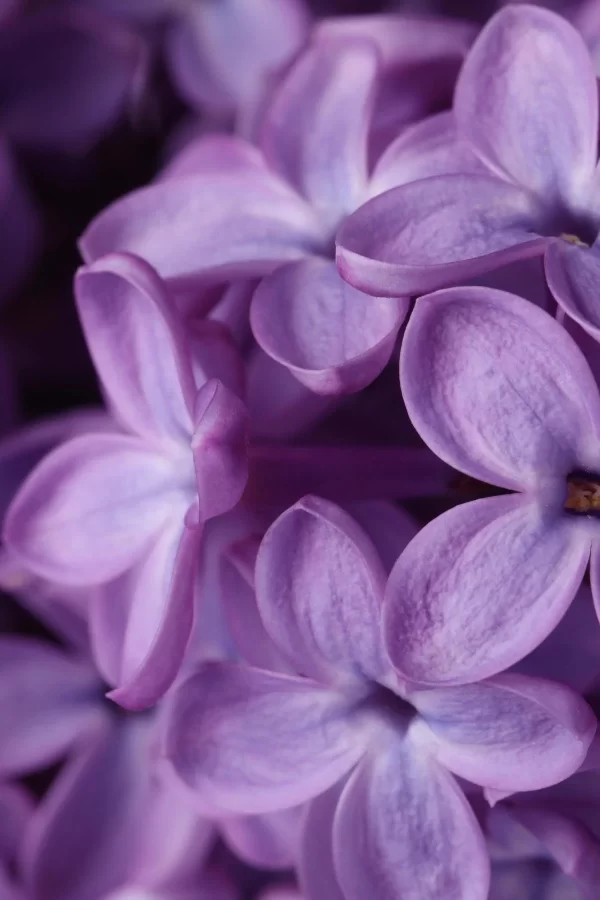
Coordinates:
<point>127,508</point>
<point>236,212</point>
<point>15,812</point>
<point>369,750</point>
<point>500,391</point>
<point>528,70</point>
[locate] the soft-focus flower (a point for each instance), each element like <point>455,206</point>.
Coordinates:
<point>500,391</point>
<point>375,756</point>
<point>127,508</point>
<point>528,70</point>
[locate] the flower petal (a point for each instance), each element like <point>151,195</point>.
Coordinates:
<point>498,389</point>
<point>240,222</point>
<point>479,587</point>
<point>403,828</point>
<point>250,741</point>
<point>509,733</point>
<point>128,323</point>
<point>268,841</point>
<point>215,355</point>
<point>220,448</point>
<point>437,231</point>
<point>87,511</point>
<point>319,587</point>
<point>528,70</point>
<point>316,871</point>
<point>316,127</point>
<point>141,623</point>
<point>47,699</point>
<point>573,276</point>
<point>333,338</point>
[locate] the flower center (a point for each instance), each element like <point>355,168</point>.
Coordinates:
<point>574,239</point>
<point>583,494</point>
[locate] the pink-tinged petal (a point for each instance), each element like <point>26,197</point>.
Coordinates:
<point>509,733</point>
<point>21,234</point>
<point>573,276</point>
<point>249,741</point>
<point>430,147</point>
<point>280,406</point>
<point>319,587</point>
<point>317,125</point>
<point>216,154</point>
<point>85,829</point>
<point>498,389</point>
<point>215,355</point>
<point>220,448</point>
<point>437,231</point>
<point>87,512</point>
<point>268,841</point>
<point>480,587</point>
<point>528,70</point>
<point>208,227</point>
<point>66,79</point>
<point>129,325</point>
<point>47,700</point>
<point>570,843</point>
<point>403,828</point>
<point>261,37</point>
<point>141,623</point>
<point>333,338</point>
<point>284,893</point>
<point>316,867</point>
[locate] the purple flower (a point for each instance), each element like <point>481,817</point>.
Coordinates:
<point>374,755</point>
<point>528,70</point>
<point>500,391</point>
<point>126,509</point>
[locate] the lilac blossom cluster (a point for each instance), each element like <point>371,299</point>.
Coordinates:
<point>276,623</point>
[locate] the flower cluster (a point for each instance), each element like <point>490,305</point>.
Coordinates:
<point>277,624</point>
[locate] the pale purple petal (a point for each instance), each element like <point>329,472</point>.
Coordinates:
<point>528,70</point>
<point>569,842</point>
<point>317,125</point>
<point>498,389</point>
<point>480,587</point>
<point>141,623</point>
<point>267,841</point>
<point>208,227</point>
<point>437,231</point>
<point>316,868</point>
<point>48,698</point>
<point>250,741</point>
<point>66,79</point>
<point>403,828</point>
<point>595,575</point>
<point>509,733</point>
<point>215,154</point>
<point>333,338</point>
<point>220,448</point>
<point>87,512</point>
<point>573,276</point>
<point>215,355</point>
<point>319,588</point>
<point>129,325</point>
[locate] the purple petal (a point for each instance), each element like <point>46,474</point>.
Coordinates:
<point>141,623</point>
<point>570,843</point>
<point>510,733</point>
<point>573,277</point>
<point>250,741</point>
<point>47,700</point>
<point>127,320</point>
<point>316,128</point>
<point>437,231</point>
<point>211,226</point>
<point>65,80</point>
<point>215,355</point>
<point>86,513</point>
<point>511,880</point>
<point>16,808</point>
<point>84,830</point>
<point>220,448</point>
<point>498,389</point>
<point>269,841</point>
<point>430,147</point>
<point>528,70</point>
<point>261,37</point>
<point>216,154</point>
<point>333,338</point>
<point>480,587</point>
<point>316,873</point>
<point>388,526</point>
<point>319,588</point>
<point>404,829</point>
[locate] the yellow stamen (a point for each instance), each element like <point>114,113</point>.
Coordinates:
<point>573,239</point>
<point>583,496</point>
